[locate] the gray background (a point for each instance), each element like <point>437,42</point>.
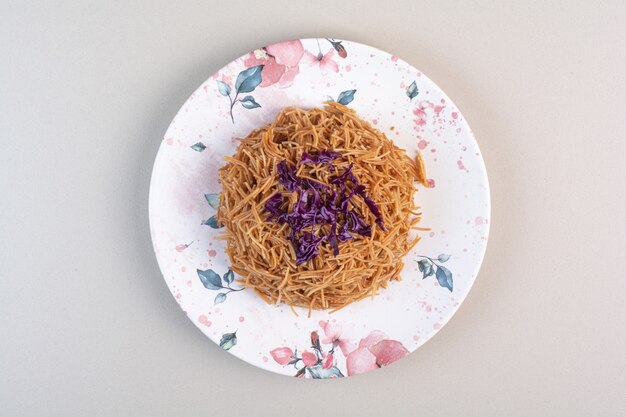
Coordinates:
<point>87,325</point>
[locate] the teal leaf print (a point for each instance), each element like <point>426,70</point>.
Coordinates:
<point>228,340</point>
<point>213,200</point>
<point>249,103</point>
<point>220,298</point>
<point>212,222</point>
<point>300,373</point>
<point>223,88</point>
<point>444,277</point>
<point>229,277</point>
<point>246,82</point>
<point>426,268</point>
<point>248,79</point>
<point>345,97</point>
<point>412,90</point>
<point>317,372</point>
<point>422,264</point>
<point>432,266</point>
<point>198,147</point>
<point>210,279</point>
<point>443,257</point>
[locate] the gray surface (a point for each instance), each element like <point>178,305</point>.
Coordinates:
<point>87,325</point>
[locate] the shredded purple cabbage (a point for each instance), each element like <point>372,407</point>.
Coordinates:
<point>306,247</point>
<point>287,176</point>
<point>341,179</point>
<point>343,204</point>
<point>343,234</point>
<point>319,204</point>
<point>307,183</point>
<point>357,224</point>
<point>332,239</point>
<point>274,206</point>
<point>374,209</point>
<point>323,157</point>
<point>327,215</point>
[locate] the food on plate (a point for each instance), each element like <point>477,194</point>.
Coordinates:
<point>318,208</point>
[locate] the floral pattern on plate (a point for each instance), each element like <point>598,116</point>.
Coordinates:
<point>395,98</point>
<point>320,359</point>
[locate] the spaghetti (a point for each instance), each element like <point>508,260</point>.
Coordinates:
<point>262,251</point>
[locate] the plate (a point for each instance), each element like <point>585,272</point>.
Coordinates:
<point>395,98</point>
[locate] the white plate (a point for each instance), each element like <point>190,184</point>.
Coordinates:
<point>365,335</point>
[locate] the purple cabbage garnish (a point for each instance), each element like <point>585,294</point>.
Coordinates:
<point>357,224</point>
<point>306,247</point>
<point>307,183</point>
<point>320,204</point>
<point>343,234</point>
<point>374,209</point>
<point>332,239</point>
<point>343,203</point>
<point>347,174</point>
<point>274,206</point>
<point>323,157</point>
<point>287,176</point>
<point>326,215</point>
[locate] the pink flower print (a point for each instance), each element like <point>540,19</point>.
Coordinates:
<point>182,247</point>
<point>281,62</point>
<point>308,358</point>
<point>371,339</point>
<point>224,78</point>
<point>360,360</point>
<point>332,331</point>
<point>315,340</point>
<point>282,355</point>
<point>287,53</point>
<point>286,80</point>
<point>325,62</point>
<point>327,361</point>
<point>272,72</point>
<point>388,351</point>
<point>374,351</point>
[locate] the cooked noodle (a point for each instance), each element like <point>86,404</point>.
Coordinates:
<point>260,251</point>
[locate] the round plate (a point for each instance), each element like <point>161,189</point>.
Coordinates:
<point>397,99</point>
